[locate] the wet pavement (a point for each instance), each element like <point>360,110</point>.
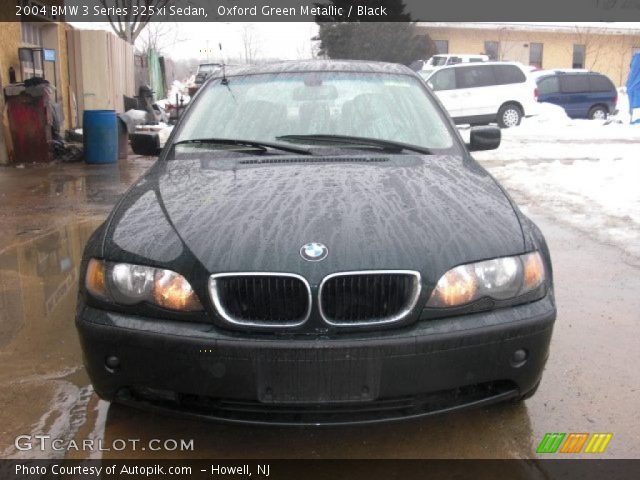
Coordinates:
<point>591,383</point>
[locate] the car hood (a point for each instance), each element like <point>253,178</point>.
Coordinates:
<point>425,213</point>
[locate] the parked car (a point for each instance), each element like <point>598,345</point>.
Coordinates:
<point>487,92</point>
<point>203,72</point>
<point>315,244</point>
<point>450,59</point>
<point>581,93</point>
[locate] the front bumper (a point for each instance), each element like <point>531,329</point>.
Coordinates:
<point>426,368</point>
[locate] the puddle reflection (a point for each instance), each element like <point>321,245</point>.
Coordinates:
<point>44,389</point>
<point>42,384</point>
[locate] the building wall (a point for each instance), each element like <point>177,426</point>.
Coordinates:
<point>607,54</point>
<point>11,41</point>
<point>9,44</point>
<point>102,70</point>
<point>53,37</point>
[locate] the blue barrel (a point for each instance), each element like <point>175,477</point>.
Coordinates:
<point>100,136</point>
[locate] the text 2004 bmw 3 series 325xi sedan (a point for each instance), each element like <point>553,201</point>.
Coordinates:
<point>316,245</point>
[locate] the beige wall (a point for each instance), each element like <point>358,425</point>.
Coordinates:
<point>102,70</point>
<point>9,44</point>
<point>53,37</point>
<point>607,54</point>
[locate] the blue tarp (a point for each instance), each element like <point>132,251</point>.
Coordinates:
<point>633,86</point>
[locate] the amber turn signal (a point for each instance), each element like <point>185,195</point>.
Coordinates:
<point>95,279</point>
<point>533,270</point>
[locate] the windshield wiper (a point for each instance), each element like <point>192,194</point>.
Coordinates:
<point>349,140</point>
<point>258,145</point>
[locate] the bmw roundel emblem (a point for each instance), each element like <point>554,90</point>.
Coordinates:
<point>314,252</point>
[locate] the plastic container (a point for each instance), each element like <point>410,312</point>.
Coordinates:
<point>100,136</point>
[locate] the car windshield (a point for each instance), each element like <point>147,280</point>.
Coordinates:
<point>264,107</point>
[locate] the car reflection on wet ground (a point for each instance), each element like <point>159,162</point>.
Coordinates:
<point>591,382</point>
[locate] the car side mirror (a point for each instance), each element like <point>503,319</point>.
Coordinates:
<point>484,138</point>
<point>146,144</point>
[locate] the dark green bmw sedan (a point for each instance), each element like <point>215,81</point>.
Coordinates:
<point>316,245</point>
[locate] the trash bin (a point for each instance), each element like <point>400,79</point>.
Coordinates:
<point>100,136</point>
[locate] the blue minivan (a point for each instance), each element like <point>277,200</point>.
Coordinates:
<point>582,94</point>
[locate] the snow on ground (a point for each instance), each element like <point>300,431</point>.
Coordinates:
<point>583,172</point>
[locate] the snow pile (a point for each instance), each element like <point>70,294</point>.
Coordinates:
<point>600,197</point>
<point>177,88</point>
<point>547,114</point>
<point>583,172</point>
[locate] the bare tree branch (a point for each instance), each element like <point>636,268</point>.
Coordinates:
<point>129,26</point>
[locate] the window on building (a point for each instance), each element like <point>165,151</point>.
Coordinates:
<point>492,50</point>
<point>442,46</point>
<point>578,56</point>
<point>31,62</point>
<point>31,34</point>
<point>535,55</point>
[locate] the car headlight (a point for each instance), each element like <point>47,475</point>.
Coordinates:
<point>500,279</point>
<point>127,284</point>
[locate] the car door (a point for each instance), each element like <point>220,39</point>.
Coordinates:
<point>477,89</point>
<point>549,91</point>
<point>443,83</point>
<point>514,85</point>
<point>575,90</point>
<point>603,91</point>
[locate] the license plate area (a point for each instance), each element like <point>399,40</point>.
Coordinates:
<point>316,376</point>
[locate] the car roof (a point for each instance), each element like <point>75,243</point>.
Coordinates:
<point>550,73</point>
<point>564,71</point>
<point>460,55</point>
<point>360,66</point>
<point>476,64</point>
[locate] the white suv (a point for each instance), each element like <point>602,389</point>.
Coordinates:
<point>487,92</point>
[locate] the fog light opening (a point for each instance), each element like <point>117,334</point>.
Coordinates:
<point>112,363</point>
<point>519,358</point>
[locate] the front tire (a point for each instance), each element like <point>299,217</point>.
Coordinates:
<point>509,115</point>
<point>598,112</point>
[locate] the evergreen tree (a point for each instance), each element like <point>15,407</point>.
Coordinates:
<point>360,38</point>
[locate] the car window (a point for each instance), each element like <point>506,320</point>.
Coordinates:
<point>438,60</point>
<point>261,107</point>
<point>454,60</point>
<point>600,83</point>
<point>574,83</point>
<point>506,74</point>
<point>443,80</point>
<point>472,77</point>
<point>548,85</point>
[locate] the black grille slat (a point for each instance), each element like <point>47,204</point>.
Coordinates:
<point>263,299</point>
<point>368,297</point>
